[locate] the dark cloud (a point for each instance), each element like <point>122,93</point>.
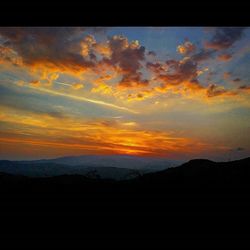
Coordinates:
<point>224,37</point>
<point>157,68</point>
<point>202,55</point>
<point>128,57</point>
<point>244,87</point>
<point>130,81</point>
<point>240,149</point>
<point>57,45</point>
<point>180,71</point>
<point>151,53</point>
<point>215,90</point>
<point>225,57</point>
<point>237,80</point>
<point>174,73</point>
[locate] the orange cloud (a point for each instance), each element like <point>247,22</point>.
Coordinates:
<point>133,81</point>
<point>96,136</point>
<point>8,55</point>
<point>99,137</point>
<point>35,83</point>
<point>186,48</point>
<point>102,88</point>
<point>86,45</point>
<point>142,95</point>
<point>102,49</point>
<point>215,90</point>
<point>244,88</point>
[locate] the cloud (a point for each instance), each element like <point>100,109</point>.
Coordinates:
<point>49,77</point>
<point>102,49</point>
<point>156,67</point>
<point>176,72</point>
<point>240,149</point>
<point>179,77</point>
<point>102,88</point>
<point>202,55</point>
<point>180,72</point>
<point>72,50</point>
<point>216,90</point>
<point>151,53</point>
<point>8,55</point>
<point>126,55</point>
<point>237,80</point>
<point>127,58</point>
<point>244,88</point>
<point>226,75</point>
<point>86,45</point>
<point>133,81</point>
<point>46,80</point>
<point>13,104</point>
<point>52,51</point>
<point>133,124</point>
<point>186,48</point>
<point>83,99</point>
<point>142,95</point>
<point>77,86</point>
<point>55,46</point>
<point>35,83</point>
<point>224,57</point>
<point>224,37</point>
<point>102,136</point>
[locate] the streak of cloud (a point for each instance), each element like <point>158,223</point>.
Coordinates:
<point>80,98</point>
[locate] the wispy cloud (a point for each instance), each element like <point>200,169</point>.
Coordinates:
<point>80,98</point>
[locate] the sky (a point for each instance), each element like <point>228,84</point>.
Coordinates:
<point>172,92</point>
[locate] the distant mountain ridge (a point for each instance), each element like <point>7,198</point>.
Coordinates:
<point>101,167</point>
<point>118,161</point>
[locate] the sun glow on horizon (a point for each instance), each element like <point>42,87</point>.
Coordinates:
<point>131,91</point>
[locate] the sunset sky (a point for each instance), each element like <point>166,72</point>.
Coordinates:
<point>174,92</point>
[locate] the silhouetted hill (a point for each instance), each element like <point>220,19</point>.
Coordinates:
<point>202,173</point>
<point>195,174</point>
<point>186,202</point>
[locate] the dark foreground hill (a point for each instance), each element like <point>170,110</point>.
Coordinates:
<point>195,174</point>
<point>199,204</point>
<point>202,174</point>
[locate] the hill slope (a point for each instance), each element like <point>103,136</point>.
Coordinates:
<point>195,174</point>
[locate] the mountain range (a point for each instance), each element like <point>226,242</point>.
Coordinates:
<point>197,174</point>
<point>94,166</point>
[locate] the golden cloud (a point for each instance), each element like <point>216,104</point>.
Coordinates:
<point>92,136</point>
<point>77,86</point>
